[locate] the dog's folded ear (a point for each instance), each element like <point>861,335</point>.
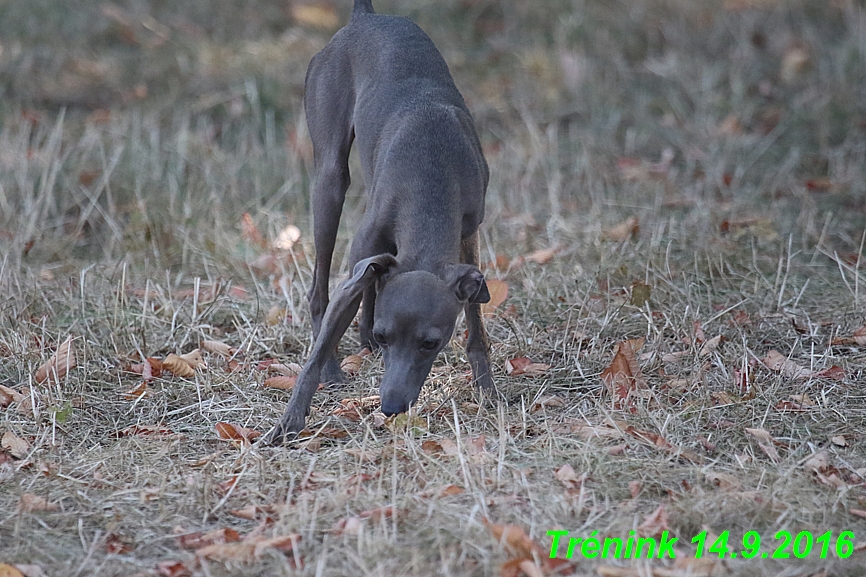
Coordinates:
<point>368,271</point>
<point>468,283</point>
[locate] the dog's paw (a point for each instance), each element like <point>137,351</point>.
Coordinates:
<point>283,432</point>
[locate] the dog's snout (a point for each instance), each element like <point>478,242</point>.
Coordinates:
<point>391,409</point>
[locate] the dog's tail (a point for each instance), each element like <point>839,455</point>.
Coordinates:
<point>362,7</point>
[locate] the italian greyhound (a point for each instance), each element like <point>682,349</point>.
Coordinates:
<point>381,82</point>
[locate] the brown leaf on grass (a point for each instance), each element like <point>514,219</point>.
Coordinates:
<point>515,540</point>
<point>177,366</point>
<point>623,375</point>
<point>249,549</point>
<point>152,431</point>
<point>58,365</point>
<point>520,567</point>
<point>261,513</point>
<point>858,512</point>
<point>228,485</point>
<point>149,369</point>
<point>10,571</point>
<point>219,348</point>
<point>524,366</point>
<point>199,539</point>
<point>289,370</point>
<point>766,442</point>
<point>623,231</point>
<point>655,523</point>
<point>541,256</point>
<point>250,232</point>
<point>586,431</point>
<point>281,382</point>
<point>232,432</point>
<point>779,363</point>
<point>15,445</point>
<point>498,290</point>
<point>819,462</point>
<point>549,401</point>
<point>710,346</point>
<point>835,372</point>
<point>659,442</point>
<point>352,525</point>
<point>117,545</point>
<point>276,315</point>
<point>722,480</point>
<point>569,479</point>
<point>9,396</point>
<point>173,569</point>
<point>839,441</point>
<point>352,364</point>
<point>193,359</point>
<point>31,503</point>
<point>137,392</point>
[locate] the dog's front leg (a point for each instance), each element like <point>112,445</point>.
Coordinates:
<point>329,192</point>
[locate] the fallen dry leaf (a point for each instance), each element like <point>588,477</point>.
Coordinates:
<point>352,525</point>
<point>623,375</point>
<point>231,432</point>
<point>839,441</point>
<point>623,231</point>
<point>154,431</point>
<point>524,366</point>
<point>29,503</point>
<point>117,545</point>
<point>251,548</point>
<point>276,315</point>
<point>176,365</point>
<point>498,290</point>
<point>138,392</point>
<point>765,441</point>
<point>281,382</point>
<point>566,475</point>
<point>218,348</point>
<point>16,446</point>
<point>250,232</point>
<point>9,571</point>
<point>289,370</point>
<point>655,523</point>
<point>198,539</point>
<point>193,359</point>
<point>779,363</point>
<point>9,396</point>
<point>173,569</point>
<point>352,364</point>
<point>59,364</point>
<point>710,346</point>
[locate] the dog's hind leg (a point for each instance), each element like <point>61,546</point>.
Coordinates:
<point>477,343</point>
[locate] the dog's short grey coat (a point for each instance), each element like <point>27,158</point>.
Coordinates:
<point>382,83</point>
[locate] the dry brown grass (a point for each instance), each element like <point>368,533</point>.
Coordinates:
<point>753,229</point>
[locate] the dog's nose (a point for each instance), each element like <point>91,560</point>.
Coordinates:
<point>392,409</point>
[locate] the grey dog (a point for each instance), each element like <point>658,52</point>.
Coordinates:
<point>381,82</point>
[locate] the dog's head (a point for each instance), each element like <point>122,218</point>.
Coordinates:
<point>414,319</point>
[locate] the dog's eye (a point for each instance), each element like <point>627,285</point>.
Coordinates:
<point>380,338</point>
<point>429,345</point>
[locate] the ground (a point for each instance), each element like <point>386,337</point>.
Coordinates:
<point>676,209</point>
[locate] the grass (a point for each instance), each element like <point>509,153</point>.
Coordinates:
<point>734,131</point>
